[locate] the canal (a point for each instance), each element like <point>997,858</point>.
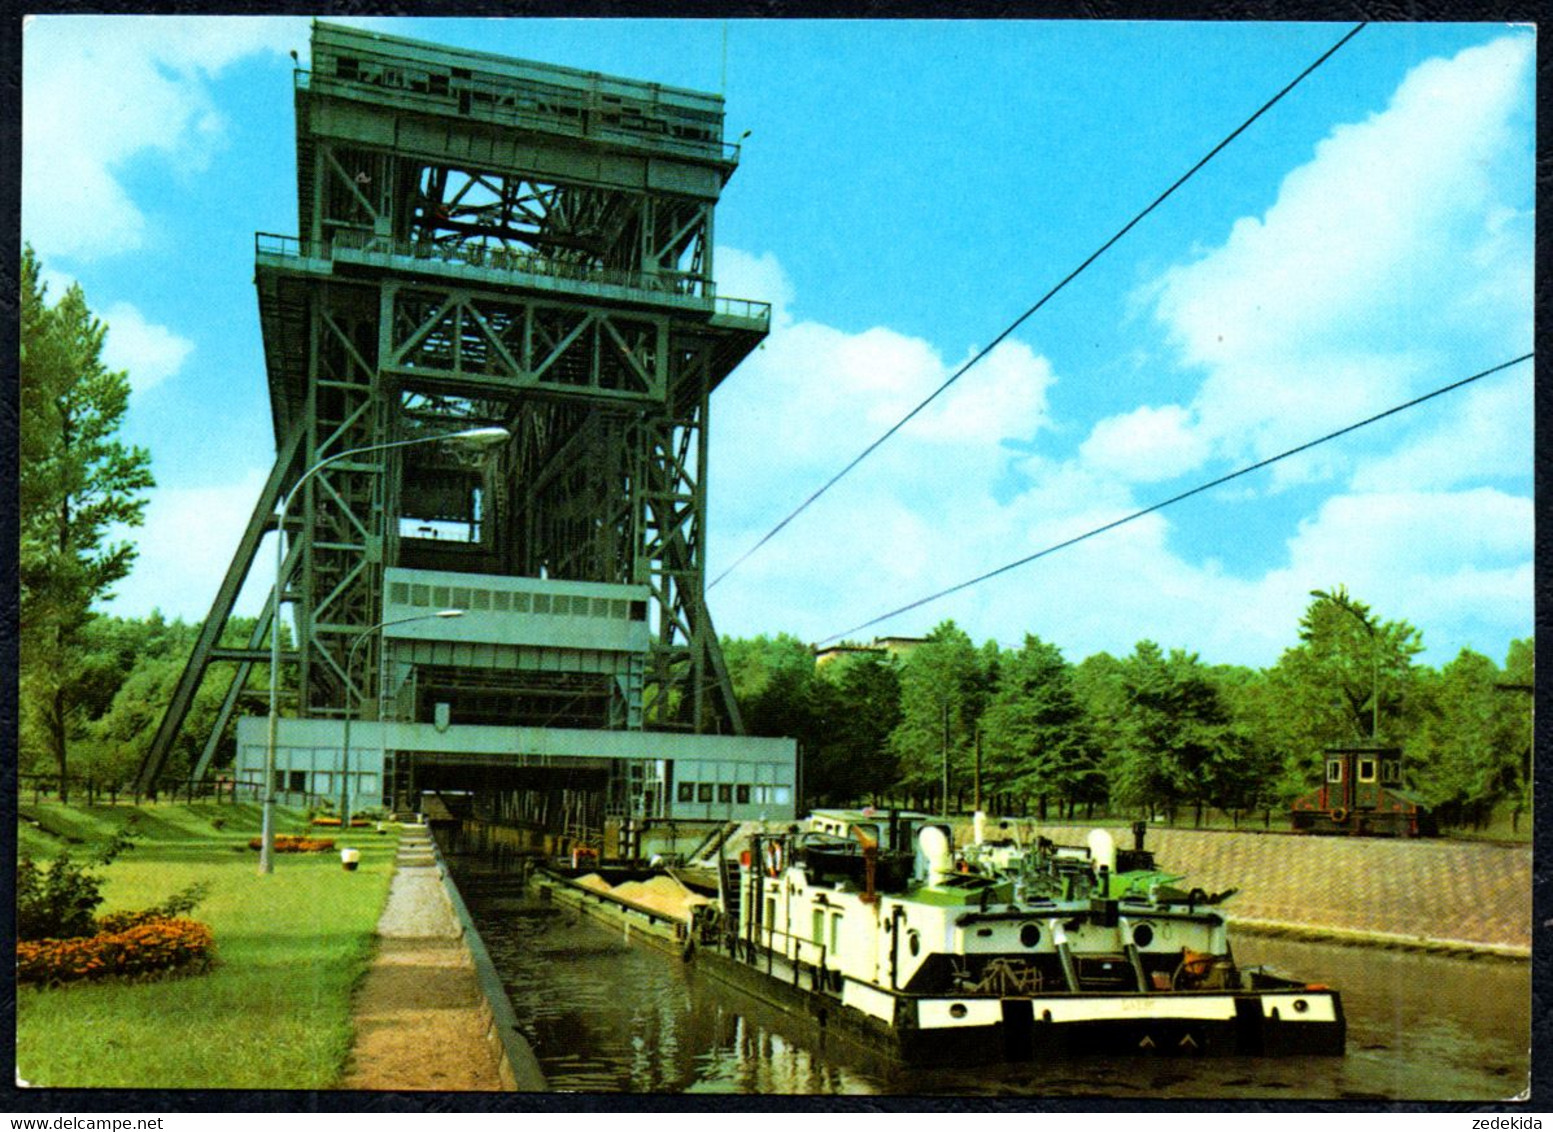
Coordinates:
<point>606,1016</point>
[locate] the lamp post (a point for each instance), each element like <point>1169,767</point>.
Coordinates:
<point>267,836</point>
<point>1340,599</point>
<point>350,667</point>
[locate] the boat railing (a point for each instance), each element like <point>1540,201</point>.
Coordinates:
<point>795,948</point>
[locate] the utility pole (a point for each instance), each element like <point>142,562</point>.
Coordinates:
<point>977,792</point>
<point>946,759</point>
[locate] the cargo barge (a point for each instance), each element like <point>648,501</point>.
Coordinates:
<point>876,926</point>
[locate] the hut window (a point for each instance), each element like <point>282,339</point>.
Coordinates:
<point>1334,770</point>
<point>1366,770</point>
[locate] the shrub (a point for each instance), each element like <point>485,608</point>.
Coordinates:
<point>296,843</point>
<point>171,908</point>
<point>57,903</point>
<point>152,945</point>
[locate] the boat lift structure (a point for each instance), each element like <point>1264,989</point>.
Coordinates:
<point>491,242</point>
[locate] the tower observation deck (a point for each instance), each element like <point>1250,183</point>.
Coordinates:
<point>485,241</point>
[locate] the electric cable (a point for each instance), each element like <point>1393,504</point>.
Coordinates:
<point>982,353</point>
<point>1175,499</point>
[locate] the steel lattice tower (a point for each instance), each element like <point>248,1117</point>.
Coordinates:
<point>491,242</point>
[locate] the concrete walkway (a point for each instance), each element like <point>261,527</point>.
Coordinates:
<point>421,1022</point>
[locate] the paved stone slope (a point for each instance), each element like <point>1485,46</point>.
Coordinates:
<point>1437,890</point>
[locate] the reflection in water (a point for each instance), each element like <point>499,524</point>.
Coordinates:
<point>607,1016</point>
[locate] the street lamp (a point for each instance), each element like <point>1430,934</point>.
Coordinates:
<point>350,668</point>
<point>1340,599</point>
<point>487,434</point>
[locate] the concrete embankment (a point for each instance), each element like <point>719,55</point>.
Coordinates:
<point>431,1014</point>
<point>1435,895</point>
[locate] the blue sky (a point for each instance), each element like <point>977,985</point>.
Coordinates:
<point>906,191</point>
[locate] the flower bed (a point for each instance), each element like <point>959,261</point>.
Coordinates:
<point>131,943</point>
<point>296,843</point>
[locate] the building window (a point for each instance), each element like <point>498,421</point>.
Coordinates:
<point>501,601</point>
<point>541,603</point>
<point>1390,771</point>
<point>399,593</point>
<point>298,782</point>
<point>781,795</point>
<point>1366,770</point>
<point>704,792</point>
<point>1334,770</point>
<point>742,795</point>
<point>420,595</point>
<point>835,932</point>
<point>687,791</point>
<point>725,792</point>
<point>817,936</point>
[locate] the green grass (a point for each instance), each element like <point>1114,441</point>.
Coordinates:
<point>274,1013</point>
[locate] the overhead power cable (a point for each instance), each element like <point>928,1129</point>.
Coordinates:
<point>1011,327</point>
<point>1027,559</point>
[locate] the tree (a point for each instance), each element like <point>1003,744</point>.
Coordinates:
<point>943,689</point>
<point>1329,682</point>
<point>1037,734</point>
<point>1178,742</point>
<point>857,760</point>
<point>1471,750</point>
<point>1520,668</point>
<point>75,482</point>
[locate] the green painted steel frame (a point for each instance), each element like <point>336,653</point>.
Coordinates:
<point>461,266</point>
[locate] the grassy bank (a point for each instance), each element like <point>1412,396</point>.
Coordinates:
<point>273,1013</point>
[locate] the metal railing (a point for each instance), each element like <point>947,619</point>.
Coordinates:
<point>367,247</point>
<point>569,113</point>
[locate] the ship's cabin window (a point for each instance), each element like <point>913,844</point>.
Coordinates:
<point>704,792</point>
<point>687,791</point>
<point>817,935</point>
<point>742,795</point>
<point>1334,770</point>
<point>725,792</point>
<point>835,931</point>
<point>771,912</point>
<point>1366,770</point>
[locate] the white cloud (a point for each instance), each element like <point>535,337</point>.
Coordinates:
<point>741,275</point>
<point>185,546</point>
<point>1398,258</point>
<point>1482,431</point>
<point>1145,445</point>
<point>150,352</point>
<point>100,90</point>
